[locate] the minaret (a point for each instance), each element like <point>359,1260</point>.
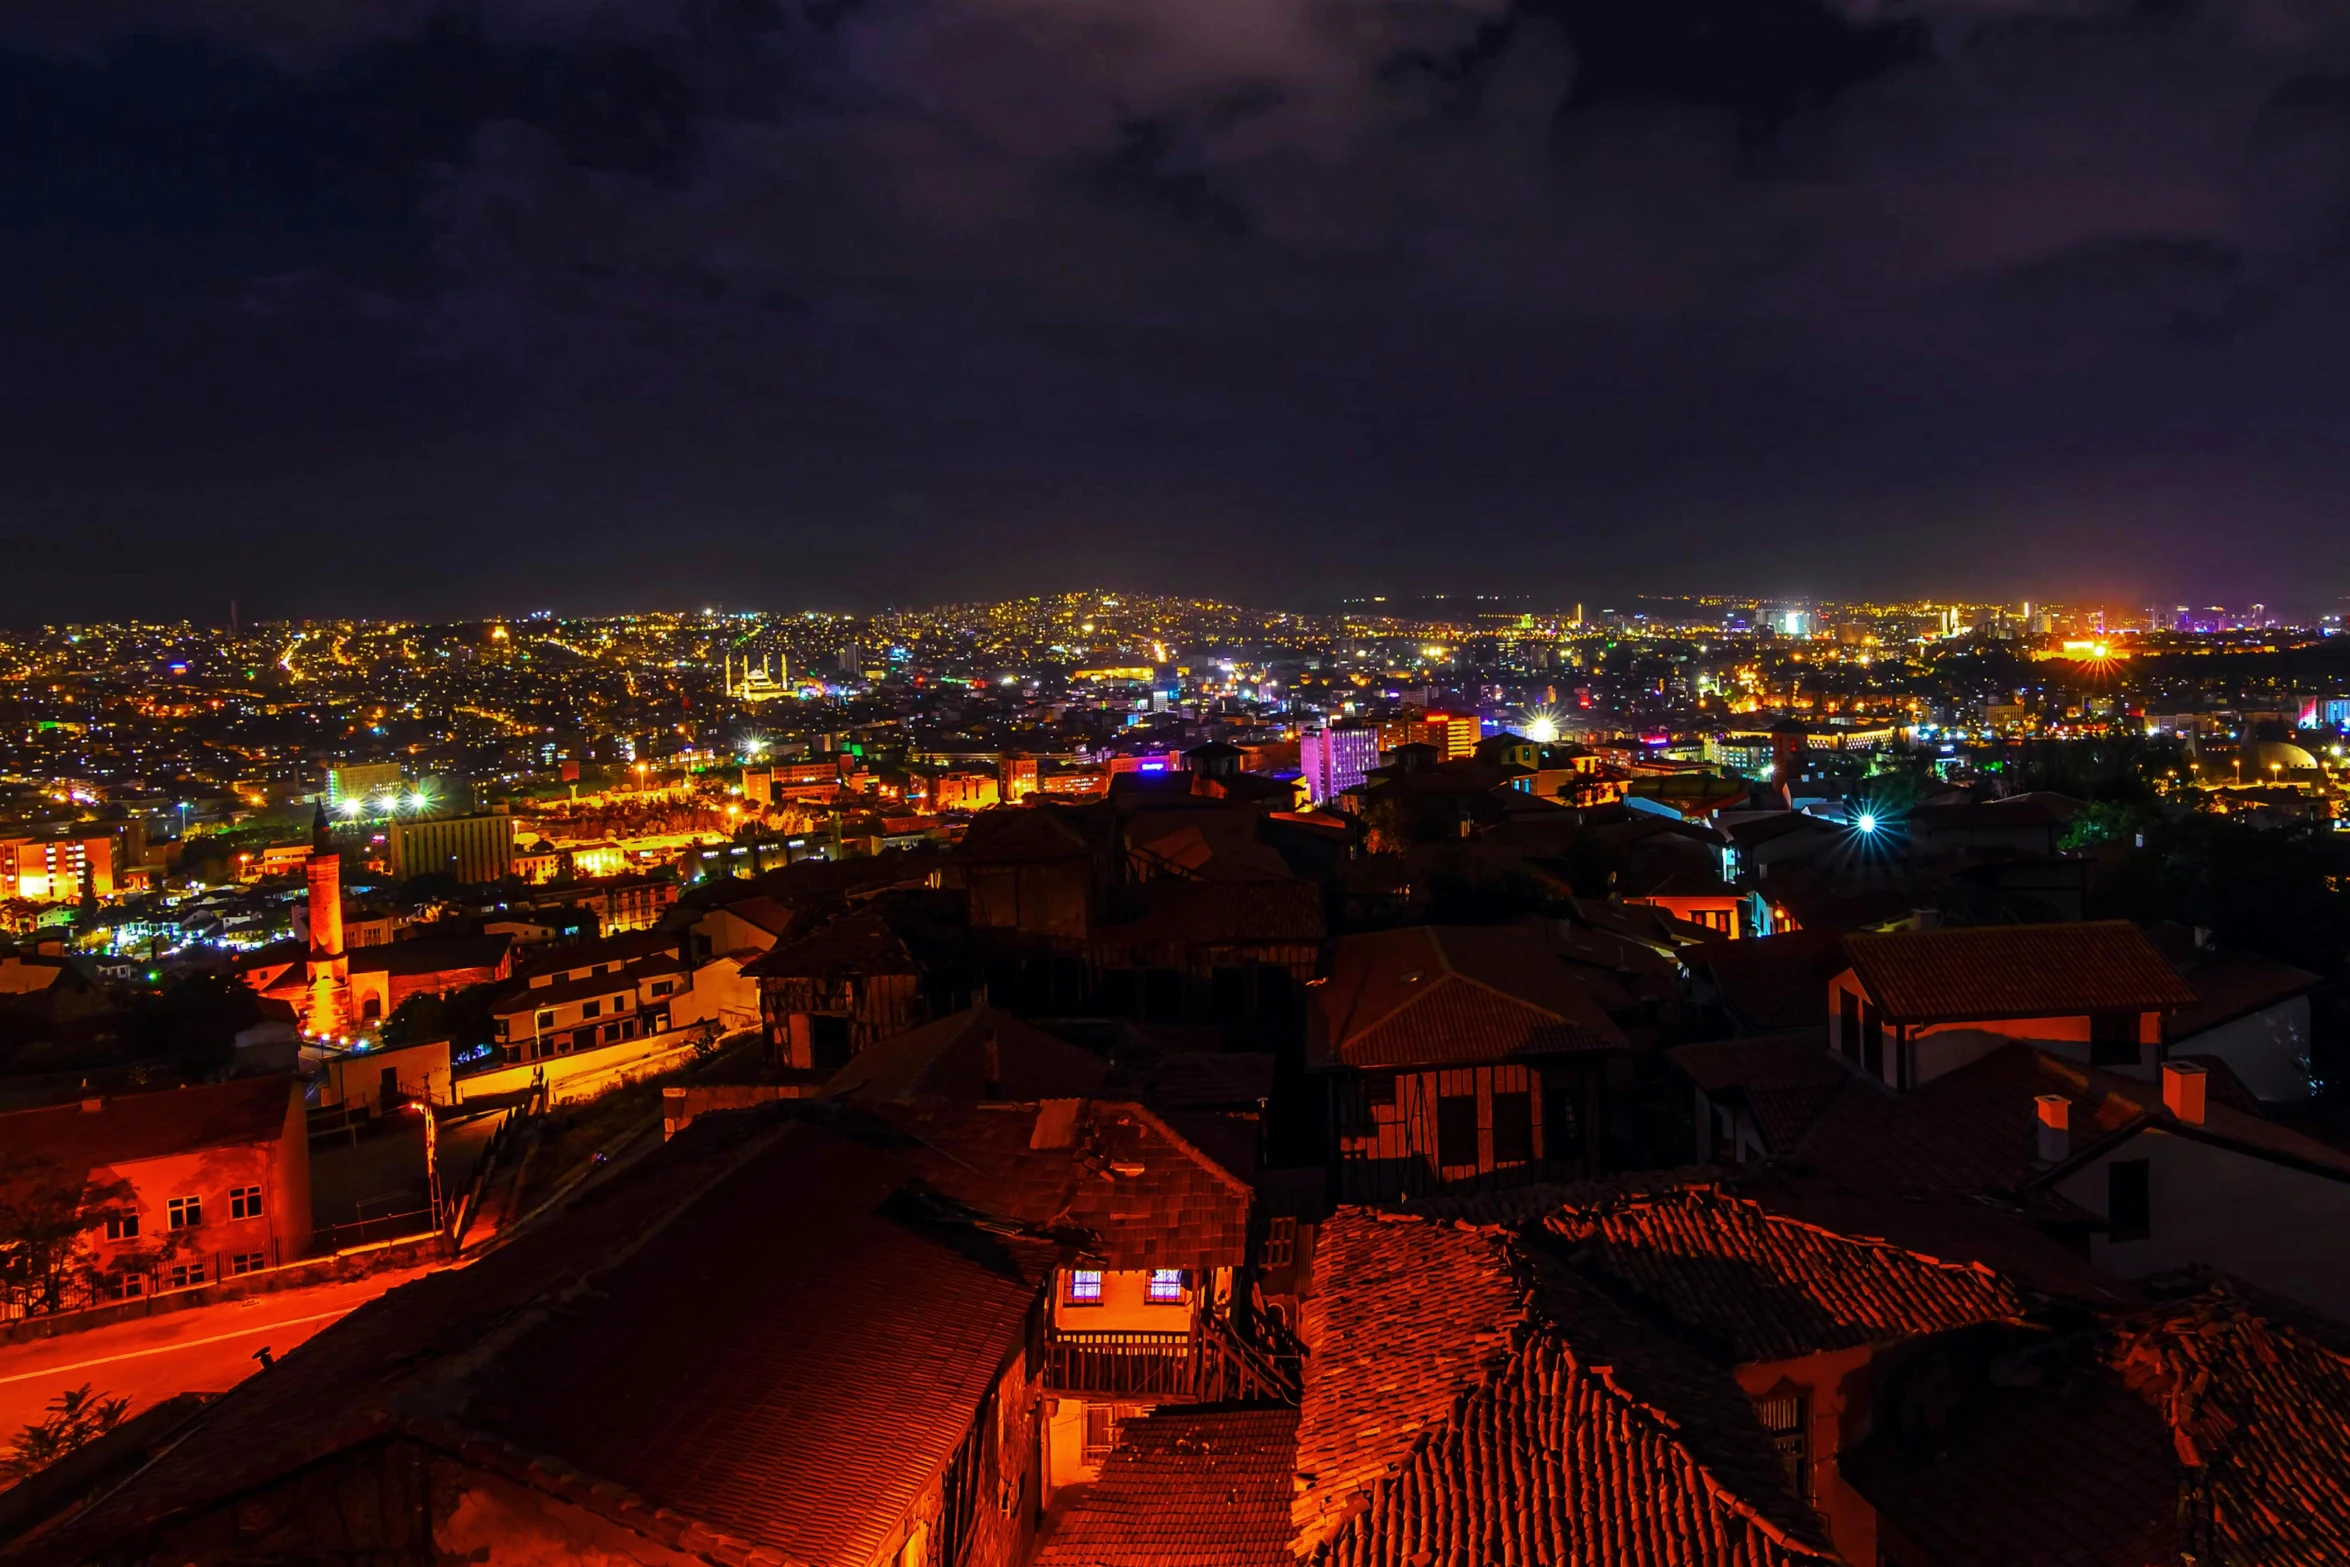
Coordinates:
<point>327,1009</point>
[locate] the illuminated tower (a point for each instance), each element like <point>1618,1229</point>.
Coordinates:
<point>327,1007</point>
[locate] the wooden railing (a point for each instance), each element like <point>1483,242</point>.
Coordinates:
<point>1209,1363</point>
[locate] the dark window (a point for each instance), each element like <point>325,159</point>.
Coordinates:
<point>1456,1130</point>
<point>248,1262</point>
<point>1785,1413</point>
<point>1379,1088</point>
<point>185,1212</point>
<point>124,1228</point>
<point>1280,1248</point>
<point>1848,1024</point>
<point>2113,1039</point>
<point>2129,1199</point>
<point>1562,1118</point>
<point>591,1009</point>
<point>1163,993</point>
<point>1231,991</point>
<point>828,1040</point>
<point>244,1202</point>
<point>387,1087</point>
<point>1276,991</point>
<point>184,1275</point>
<point>1872,1041</point>
<point>1513,1128</point>
<point>1118,992</point>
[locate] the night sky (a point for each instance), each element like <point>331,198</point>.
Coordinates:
<point>393,307</point>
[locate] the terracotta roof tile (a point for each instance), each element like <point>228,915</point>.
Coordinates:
<point>1995,971</point>
<point>1186,1488</point>
<point>949,1059</point>
<point>1755,1286</point>
<point>131,1127</point>
<point>1406,1316</point>
<point>1432,995</point>
<point>1786,1080</point>
<point>1142,1194</point>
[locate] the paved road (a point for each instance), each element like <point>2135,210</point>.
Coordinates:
<point>207,1350</point>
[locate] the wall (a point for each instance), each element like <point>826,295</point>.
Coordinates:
<point>1126,1307</point>
<point>579,1065</point>
<point>1837,1384</point>
<point>1938,1049</point>
<point>358,1080</point>
<point>2271,1224</point>
<point>2268,1050</point>
<point>280,1234</point>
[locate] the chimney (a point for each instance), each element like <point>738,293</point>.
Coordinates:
<point>2053,1128</point>
<point>2182,1090</point>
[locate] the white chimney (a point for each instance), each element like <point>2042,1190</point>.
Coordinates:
<point>2053,1128</point>
<point>2182,1090</point>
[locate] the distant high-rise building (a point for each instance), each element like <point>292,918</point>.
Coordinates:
<point>1335,759</point>
<point>474,849</point>
<point>361,781</point>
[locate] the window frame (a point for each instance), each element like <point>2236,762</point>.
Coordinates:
<point>1077,1282</point>
<point>1165,1287</point>
<point>123,1227</point>
<point>1449,1117</point>
<point>184,1213</point>
<point>246,1202</point>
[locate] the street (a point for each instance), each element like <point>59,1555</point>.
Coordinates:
<point>207,1350</point>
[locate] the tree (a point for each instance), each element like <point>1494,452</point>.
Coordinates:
<point>75,1419</point>
<point>47,1216</point>
<point>462,1017</point>
<point>195,1022</point>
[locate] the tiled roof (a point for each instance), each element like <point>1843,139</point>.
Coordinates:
<point>2207,1429</point>
<point>1473,1400</point>
<point>1186,1488</point>
<point>1406,1316</point>
<point>130,1127</point>
<point>949,1059</point>
<point>1756,1286</point>
<point>865,942</point>
<point>1786,1080</point>
<point>1973,1130</point>
<point>1022,832</point>
<point>2228,985</point>
<point>1211,913</point>
<point>1776,982</point>
<point>1999,971</point>
<point>752,1337</point>
<point>432,955</point>
<point>1145,1195</point>
<point>1434,995</point>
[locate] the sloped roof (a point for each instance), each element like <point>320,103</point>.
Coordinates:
<point>2229,985</point>
<point>1405,1317</point>
<point>1211,913</point>
<point>949,1059</point>
<point>1973,1130</point>
<point>798,1410</point>
<point>1433,994</point>
<point>1144,1195</point>
<point>2208,1428</point>
<point>1775,982</point>
<point>1487,1404</point>
<point>1022,832</point>
<point>1754,1286</point>
<point>2004,971</point>
<point>864,942</point>
<point>1183,1488</point>
<point>130,1127</point>
<point>1787,1080</point>
<point>431,955</point>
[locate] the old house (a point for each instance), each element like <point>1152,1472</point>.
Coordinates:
<point>1153,1306</point>
<point>1233,953</point>
<point>590,996</point>
<point>760,1344</point>
<point>219,1175</point>
<point>1917,1004</point>
<point>893,964</point>
<point>1457,1055</point>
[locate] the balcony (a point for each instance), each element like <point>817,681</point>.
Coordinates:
<point>1208,1363</point>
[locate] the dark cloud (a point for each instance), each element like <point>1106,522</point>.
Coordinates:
<point>889,298</point>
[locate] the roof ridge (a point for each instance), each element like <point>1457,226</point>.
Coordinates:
<point>1714,1191</point>
<point>1186,1146</point>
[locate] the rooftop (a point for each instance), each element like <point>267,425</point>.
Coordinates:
<point>1433,995</point>
<point>2004,971</point>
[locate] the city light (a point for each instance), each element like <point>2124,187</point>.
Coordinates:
<point>1866,821</point>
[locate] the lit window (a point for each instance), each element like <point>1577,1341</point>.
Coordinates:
<point>1085,1287</point>
<point>186,1213</point>
<point>244,1202</point>
<point>1166,1286</point>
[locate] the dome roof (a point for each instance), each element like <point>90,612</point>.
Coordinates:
<point>2265,754</point>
